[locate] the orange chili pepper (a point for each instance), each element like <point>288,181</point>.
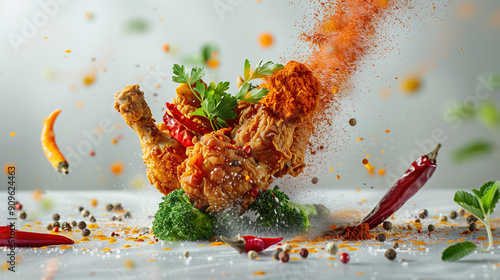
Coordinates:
<point>49,145</point>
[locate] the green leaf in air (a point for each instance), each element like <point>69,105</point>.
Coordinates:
<point>469,203</point>
<point>488,114</point>
<point>471,150</point>
<point>137,25</point>
<point>494,80</point>
<point>458,251</point>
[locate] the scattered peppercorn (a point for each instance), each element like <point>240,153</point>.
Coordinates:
<point>56,217</point>
<point>352,122</point>
<point>120,218</point>
<point>144,231</point>
<point>234,163</point>
<point>86,232</point>
<point>287,247</point>
<point>50,227</point>
<point>422,214</point>
<point>453,214</point>
<point>381,237</point>
<point>64,225</point>
<point>68,228</point>
<point>252,254</point>
<point>461,212</point>
<point>304,253</point>
<point>92,219</point>
<point>82,225</point>
<point>113,234</point>
<point>472,227</point>
<point>22,215</point>
<point>109,207</point>
<point>73,223</point>
<point>387,225</point>
<point>284,257</point>
<point>417,221</point>
<point>471,219</point>
<point>85,213</point>
<point>314,180</point>
<point>113,218</point>
<point>277,254</point>
<point>118,206</point>
<point>127,215</point>
<point>344,257</point>
<point>57,224</point>
<point>431,227</point>
<point>390,254</point>
<point>186,254</point>
<point>395,245</point>
<point>80,208</point>
<point>332,248</point>
<point>444,218</point>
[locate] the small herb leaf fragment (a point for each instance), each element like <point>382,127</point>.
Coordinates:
<point>469,203</point>
<point>458,251</point>
<point>490,195</point>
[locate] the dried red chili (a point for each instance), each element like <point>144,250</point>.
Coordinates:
<point>410,183</point>
<point>17,238</point>
<point>178,131</point>
<point>247,243</point>
<point>187,122</point>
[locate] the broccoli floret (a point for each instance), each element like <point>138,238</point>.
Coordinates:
<point>276,213</point>
<point>177,219</point>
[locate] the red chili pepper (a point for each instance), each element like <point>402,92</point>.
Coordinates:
<point>187,122</point>
<point>17,238</point>
<point>410,183</point>
<point>247,243</point>
<point>178,131</point>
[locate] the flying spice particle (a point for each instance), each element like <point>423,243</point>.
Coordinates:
<point>266,40</point>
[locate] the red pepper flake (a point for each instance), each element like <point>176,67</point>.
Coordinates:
<point>113,234</point>
<point>56,229</point>
<point>254,192</point>
<point>247,149</point>
<point>140,240</point>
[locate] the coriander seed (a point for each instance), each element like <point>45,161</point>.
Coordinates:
<point>73,223</point>
<point>86,232</point>
<point>252,254</point>
<point>422,214</point>
<point>453,214</point>
<point>277,254</point>
<point>444,218</point>
<point>332,248</point>
<point>50,227</point>
<point>82,225</point>
<point>395,244</point>
<point>387,225</point>
<point>390,254</point>
<point>472,227</point>
<point>352,122</point>
<point>381,237</point>
<point>431,227</point>
<point>22,215</point>
<point>186,254</point>
<point>461,212</point>
<point>304,253</point>
<point>284,257</point>
<point>85,213</point>
<point>56,217</point>
<point>314,180</point>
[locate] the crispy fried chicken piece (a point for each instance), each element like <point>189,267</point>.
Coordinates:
<point>162,154</point>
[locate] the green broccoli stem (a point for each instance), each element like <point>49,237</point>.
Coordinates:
<point>310,210</point>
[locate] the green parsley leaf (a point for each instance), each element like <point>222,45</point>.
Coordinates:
<point>471,150</point>
<point>247,69</point>
<point>458,251</point>
<point>261,70</point>
<point>469,203</point>
<point>180,74</point>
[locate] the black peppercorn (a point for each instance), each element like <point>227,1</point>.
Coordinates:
<point>92,219</point>
<point>277,254</point>
<point>80,208</point>
<point>431,227</point>
<point>50,227</point>
<point>390,254</point>
<point>472,227</point>
<point>73,223</point>
<point>453,215</point>
<point>86,232</point>
<point>471,219</point>
<point>284,257</point>
<point>304,253</point>
<point>387,225</point>
<point>381,237</point>
<point>82,225</point>
<point>113,218</point>
<point>57,224</point>
<point>234,163</point>
<point>443,218</point>
<point>395,244</point>
<point>118,206</point>
<point>127,215</point>
<point>85,213</point>
<point>422,214</point>
<point>22,215</point>
<point>109,207</point>
<point>56,217</point>
<point>352,122</point>
<point>461,212</point>
<point>64,224</point>
<point>314,180</point>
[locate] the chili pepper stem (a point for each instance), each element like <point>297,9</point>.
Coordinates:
<point>433,154</point>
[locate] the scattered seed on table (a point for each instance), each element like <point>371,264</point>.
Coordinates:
<point>471,219</point>
<point>395,245</point>
<point>64,224</point>
<point>422,214</point>
<point>453,214</point>
<point>109,207</point>
<point>284,257</point>
<point>344,257</point>
<point>80,208</point>
<point>85,232</point>
<point>332,248</point>
<point>56,217</point>
<point>352,122</point>
<point>50,227</point>
<point>387,225</point>
<point>68,228</point>
<point>73,223</point>
<point>277,254</point>
<point>417,221</point>
<point>381,237</point>
<point>314,180</point>
<point>127,215</point>
<point>56,224</point>
<point>92,219</point>
<point>120,218</point>
<point>22,215</point>
<point>431,227</point>
<point>252,254</point>
<point>304,253</point>
<point>85,213</point>
<point>82,225</point>
<point>118,206</point>
<point>186,254</point>
<point>113,218</point>
<point>472,227</point>
<point>461,212</point>
<point>390,254</point>
<point>287,247</point>
<point>444,218</point>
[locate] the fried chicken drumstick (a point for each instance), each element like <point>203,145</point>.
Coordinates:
<point>226,168</point>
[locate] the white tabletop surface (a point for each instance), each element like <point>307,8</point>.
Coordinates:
<point>87,260</point>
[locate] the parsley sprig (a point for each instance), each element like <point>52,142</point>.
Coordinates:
<point>216,104</point>
<point>481,205</point>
